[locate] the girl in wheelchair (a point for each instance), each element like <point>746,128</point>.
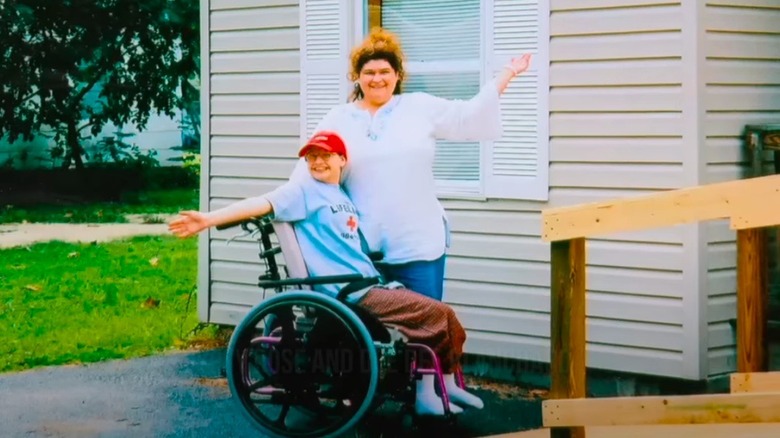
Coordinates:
<point>326,227</point>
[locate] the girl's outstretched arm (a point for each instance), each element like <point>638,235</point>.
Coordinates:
<point>190,223</point>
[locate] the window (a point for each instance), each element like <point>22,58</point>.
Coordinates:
<point>437,66</point>
<point>452,48</point>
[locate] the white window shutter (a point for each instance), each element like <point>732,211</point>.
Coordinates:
<point>324,60</point>
<point>517,164</point>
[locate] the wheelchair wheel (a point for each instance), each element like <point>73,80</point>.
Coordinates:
<point>302,364</point>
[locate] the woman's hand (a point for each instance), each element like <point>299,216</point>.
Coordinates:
<point>521,64</point>
<point>515,67</point>
<point>188,224</point>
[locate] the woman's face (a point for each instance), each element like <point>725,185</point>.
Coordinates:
<point>377,80</point>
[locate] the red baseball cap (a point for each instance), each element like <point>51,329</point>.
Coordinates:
<point>327,140</point>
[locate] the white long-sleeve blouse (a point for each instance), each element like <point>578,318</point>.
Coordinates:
<point>389,171</point>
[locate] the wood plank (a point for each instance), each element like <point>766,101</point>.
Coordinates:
<point>755,214</point>
<point>673,207</point>
<point>752,300</point>
<point>755,382</point>
<point>648,410</point>
<point>567,337</point>
<point>756,430</point>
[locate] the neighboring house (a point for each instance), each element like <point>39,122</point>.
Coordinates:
<point>625,97</point>
<point>161,134</point>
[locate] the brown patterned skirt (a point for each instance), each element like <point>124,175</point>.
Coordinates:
<point>421,319</point>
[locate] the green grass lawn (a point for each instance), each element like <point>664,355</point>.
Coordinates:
<point>69,303</point>
<point>148,203</point>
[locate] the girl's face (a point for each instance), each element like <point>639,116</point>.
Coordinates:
<point>377,81</point>
<point>325,166</point>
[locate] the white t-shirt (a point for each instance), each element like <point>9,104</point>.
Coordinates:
<point>389,172</point>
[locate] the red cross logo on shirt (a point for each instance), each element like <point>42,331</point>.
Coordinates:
<point>351,223</point>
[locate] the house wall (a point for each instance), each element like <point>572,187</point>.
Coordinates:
<point>253,96</point>
<point>161,134</point>
<point>617,127</point>
<point>742,75</point>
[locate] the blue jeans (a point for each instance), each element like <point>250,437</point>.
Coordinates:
<point>424,277</point>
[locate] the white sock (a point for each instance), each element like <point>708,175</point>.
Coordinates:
<point>459,396</point>
<point>428,403</point>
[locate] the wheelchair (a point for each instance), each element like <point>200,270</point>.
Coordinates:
<point>304,364</point>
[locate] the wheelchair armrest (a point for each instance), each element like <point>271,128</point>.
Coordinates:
<point>310,281</point>
<point>357,285</point>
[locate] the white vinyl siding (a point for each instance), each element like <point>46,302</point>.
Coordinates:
<point>742,76</point>
<point>616,128</point>
<point>253,106</point>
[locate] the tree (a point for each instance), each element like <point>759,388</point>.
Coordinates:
<point>140,54</point>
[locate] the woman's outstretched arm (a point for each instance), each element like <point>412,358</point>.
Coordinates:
<point>475,119</point>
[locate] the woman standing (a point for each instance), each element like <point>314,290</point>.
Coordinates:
<point>391,138</point>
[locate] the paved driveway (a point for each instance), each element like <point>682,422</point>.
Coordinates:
<point>183,395</point>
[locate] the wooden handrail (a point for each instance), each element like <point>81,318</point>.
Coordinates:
<point>749,204</point>
<point>746,202</point>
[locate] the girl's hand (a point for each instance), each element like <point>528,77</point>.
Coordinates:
<point>521,64</point>
<point>188,224</point>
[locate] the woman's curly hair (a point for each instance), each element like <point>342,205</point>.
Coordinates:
<point>378,44</point>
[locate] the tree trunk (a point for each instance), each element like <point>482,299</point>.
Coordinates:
<point>74,144</point>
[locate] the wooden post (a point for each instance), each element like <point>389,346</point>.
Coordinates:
<point>567,326</point>
<point>752,300</point>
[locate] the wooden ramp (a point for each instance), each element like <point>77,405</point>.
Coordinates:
<point>750,206</point>
<point>758,430</point>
